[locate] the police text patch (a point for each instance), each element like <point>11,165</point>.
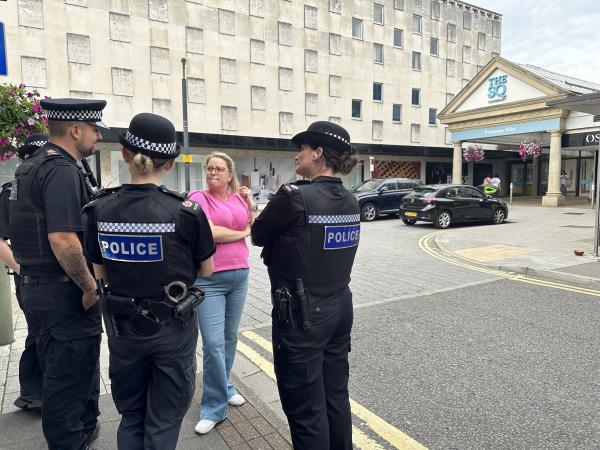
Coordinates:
<point>341,236</point>
<point>131,248</point>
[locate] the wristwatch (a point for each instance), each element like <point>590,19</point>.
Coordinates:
<point>253,208</point>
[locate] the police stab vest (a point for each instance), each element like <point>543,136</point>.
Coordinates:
<point>28,233</point>
<point>322,252</point>
<point>139,235</point>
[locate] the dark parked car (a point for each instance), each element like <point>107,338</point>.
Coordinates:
<point>446,204</point>
<point>382,196</point>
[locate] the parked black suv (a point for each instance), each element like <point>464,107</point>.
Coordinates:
<point>446,204</point>
<point>382,196</point>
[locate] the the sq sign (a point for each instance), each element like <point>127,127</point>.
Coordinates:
<point>3,63</point>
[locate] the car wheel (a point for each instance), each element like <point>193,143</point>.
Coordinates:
<point>409,221</point>
<point>443,220</point>
<point>368,212</point>
<point>498,216</point>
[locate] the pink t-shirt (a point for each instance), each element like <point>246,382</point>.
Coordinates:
<point>232,213</point>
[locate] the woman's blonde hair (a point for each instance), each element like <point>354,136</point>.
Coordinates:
<point>234,184</point>
<point>145,164</point>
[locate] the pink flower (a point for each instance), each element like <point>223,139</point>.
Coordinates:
<point>36,107</point>
<point>29,94</point>
<point>3,142</point>
<point>21,86</point>
<point>30,121</point>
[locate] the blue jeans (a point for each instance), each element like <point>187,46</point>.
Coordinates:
<point>219,319</point>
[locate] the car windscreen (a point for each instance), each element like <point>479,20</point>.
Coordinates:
<point>422,191</point>
<point>366,186</point>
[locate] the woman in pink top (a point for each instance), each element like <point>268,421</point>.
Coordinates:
<point>230,210</point>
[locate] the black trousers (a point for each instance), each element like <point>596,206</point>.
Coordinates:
<point>71,380</point>
<point>31,362</point>
<point>152,382</point>
<point>312,375</point>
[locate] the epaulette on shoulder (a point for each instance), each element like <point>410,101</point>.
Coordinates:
<point>175,194</point>
<point>105,191</point>
<point>290,189</point>
<point>190,206</point>
<point>300,182</point>
<point>50,153</point>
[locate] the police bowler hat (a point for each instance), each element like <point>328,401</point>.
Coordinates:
<point>151,135</point>
<point>74,110</point>
<point>325,133</point>
<point>32,143</point>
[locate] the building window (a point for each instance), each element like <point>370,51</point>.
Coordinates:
<point>335,86</point>
<point>467,19</point>
<point>335,44</point>
<point>466,54</point>
<point>415,132</point>
<point>378,53</point>
<point>356,109</point>
<point>378,14</point>
<point>417,24</point>
<point>257,51</point>
<point>377,130</point>
<point>286,79</point>
<point>335,119</point>
<point>451,35</point>
<point>432,116</point>
<point>286,123</point>
<point>450,68</point>
<point>416,97</point>
<point>377,92</point>
<point>311,104</point>
<point>286,34</point>
<point>435,10</point>
<point>434,47</point>
<point>357,28</point>
<point>311,61</point>
<point>396,113</point>
<point>335,6</point>
<point>398,38</point>
<point>258,98</point>
<point>311,17</point>
<point>496,28</point>
<point>226,22</point>
<point>399,4</point>
<point>449,97</point>
<point>257,8</point>
<point>481,41</point>
<point>416,61</point>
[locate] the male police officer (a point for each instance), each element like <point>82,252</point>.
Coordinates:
<point>30,367</point>
<point>310,232</point>
<point>59,292</point>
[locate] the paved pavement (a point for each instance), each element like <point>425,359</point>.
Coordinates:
<point>390,265</point>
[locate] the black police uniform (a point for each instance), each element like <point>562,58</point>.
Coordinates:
<point>31,361</point>
<point>311,231</point>
<point>146,237</point>
<point>50,193</point>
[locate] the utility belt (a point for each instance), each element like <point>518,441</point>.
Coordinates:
<point>291,306</point>
<point>42,279</point>
<point>149,315</point>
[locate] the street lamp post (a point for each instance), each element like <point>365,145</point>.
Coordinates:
<point>186,142</point>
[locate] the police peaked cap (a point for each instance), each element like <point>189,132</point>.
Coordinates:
<point>32,143</point>
<point>327,134</point>
<point>74,110</point>
<point>151,135</point>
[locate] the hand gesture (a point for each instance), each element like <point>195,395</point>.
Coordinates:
<point>247,194</point>
<point>89,299</point>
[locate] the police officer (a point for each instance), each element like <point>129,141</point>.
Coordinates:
<point>149,243</point>
<point>58,293</point>
<point>30,367</point>
<point>310,233</point>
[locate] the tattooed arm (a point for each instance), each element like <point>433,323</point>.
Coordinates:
<point>68,251</point>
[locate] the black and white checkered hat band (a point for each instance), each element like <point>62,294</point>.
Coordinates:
<point>342,218</point>
<point>122,227</point>
<point>167,149</point>
<point>83,115</point>
<point>37,143</point>
<point>337,136</point>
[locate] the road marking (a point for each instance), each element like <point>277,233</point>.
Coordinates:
<point>388,432</point>
<point>424,244</point>
<point>494,252</point>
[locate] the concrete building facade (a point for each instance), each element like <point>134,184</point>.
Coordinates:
<point>260,71</point>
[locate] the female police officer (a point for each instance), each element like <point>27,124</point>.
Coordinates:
<point>149,244</point>
<point>310,233</point>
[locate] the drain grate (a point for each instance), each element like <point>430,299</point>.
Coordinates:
<point>574,213</point>
<point>577,226</point>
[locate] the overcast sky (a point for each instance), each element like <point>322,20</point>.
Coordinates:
<point>558,35</point>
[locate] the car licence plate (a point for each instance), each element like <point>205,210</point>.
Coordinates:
<point>410,214</point>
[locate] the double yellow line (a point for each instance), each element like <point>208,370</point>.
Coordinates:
<point>425,245</point>
<point>360,439</point>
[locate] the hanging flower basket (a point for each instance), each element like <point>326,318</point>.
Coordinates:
<point>473,153</point>
<point>531,149</point>
<point>20,117</point>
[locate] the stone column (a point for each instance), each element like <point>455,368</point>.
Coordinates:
<point>457,163</point>
<point>553,197</point>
